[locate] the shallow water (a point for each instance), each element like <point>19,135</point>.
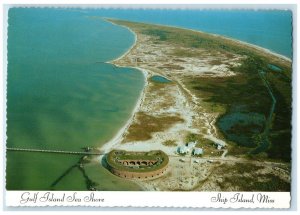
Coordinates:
<point>274,68</point>
<point>159,79</point>
<point>61,96</point>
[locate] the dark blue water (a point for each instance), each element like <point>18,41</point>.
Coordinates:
<point>265,28</point>
<point>240,127</point>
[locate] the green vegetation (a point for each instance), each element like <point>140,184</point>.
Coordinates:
<point>114,156</point>
<point>185,53</point>
<point>247,103</point>
<point>207,145</point>
<point>169,143</point>
<point>191,137</point>
<point>216,62</point>
<point>145,125</point>
<point>271,183</point>
<point>237,150</point>
<point>190,39</point>
<point>247,178</point>
<point>171,66</point>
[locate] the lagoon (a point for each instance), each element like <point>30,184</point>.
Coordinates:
<point>274,68</point>
<point>159,79</point>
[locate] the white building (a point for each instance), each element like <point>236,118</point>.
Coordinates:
<point>198,151</point>
<point>183,150</point>
<point>191,144</point>
<point>220,145</point>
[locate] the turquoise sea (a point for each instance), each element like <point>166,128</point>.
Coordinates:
<point>60,94</point>
<point>271,29</point>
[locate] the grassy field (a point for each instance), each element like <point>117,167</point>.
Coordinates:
<point>170,143</point>
<point>146,124</point>
<point>247,177</point>
<point>114,156</point>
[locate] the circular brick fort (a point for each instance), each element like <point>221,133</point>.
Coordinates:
<point>137,165</point>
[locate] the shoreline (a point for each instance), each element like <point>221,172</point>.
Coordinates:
<point>119,135</point>
<point>117,138</point>
<point>130,48</point>
<point>257,47</point>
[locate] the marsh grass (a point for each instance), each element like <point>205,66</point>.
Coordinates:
<point>247,90</point>
<point>145,125</point>
<point>216,62</point>
<point>248,178</point>
<point>169,143</point>
<point>171,67</point>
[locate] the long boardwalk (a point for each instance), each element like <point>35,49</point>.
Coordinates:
<point>269,88</point>
<point>54,151</point>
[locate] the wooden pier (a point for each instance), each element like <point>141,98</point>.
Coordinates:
<point>55,151</point>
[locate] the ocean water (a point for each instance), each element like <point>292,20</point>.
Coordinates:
<point>271,29</point>
<point>61,96</point>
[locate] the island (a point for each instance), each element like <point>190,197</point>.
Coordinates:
<point>220,109</point>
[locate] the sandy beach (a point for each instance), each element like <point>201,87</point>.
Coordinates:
<point>128,51</point>
<point>117,139</point>
<point>268,51</point>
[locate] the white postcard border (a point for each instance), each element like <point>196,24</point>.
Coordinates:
<point>279,200</point>
<point>159,199</point>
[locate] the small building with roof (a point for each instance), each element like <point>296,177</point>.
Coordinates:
<point>220,145</point>
<point>197,152</point>
<point>183,150</point>
<point>191,144</point>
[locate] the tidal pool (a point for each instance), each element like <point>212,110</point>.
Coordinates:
<point>160,79</point>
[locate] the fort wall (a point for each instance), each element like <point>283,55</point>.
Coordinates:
<point>139,175</point>
<point>138,168</point>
